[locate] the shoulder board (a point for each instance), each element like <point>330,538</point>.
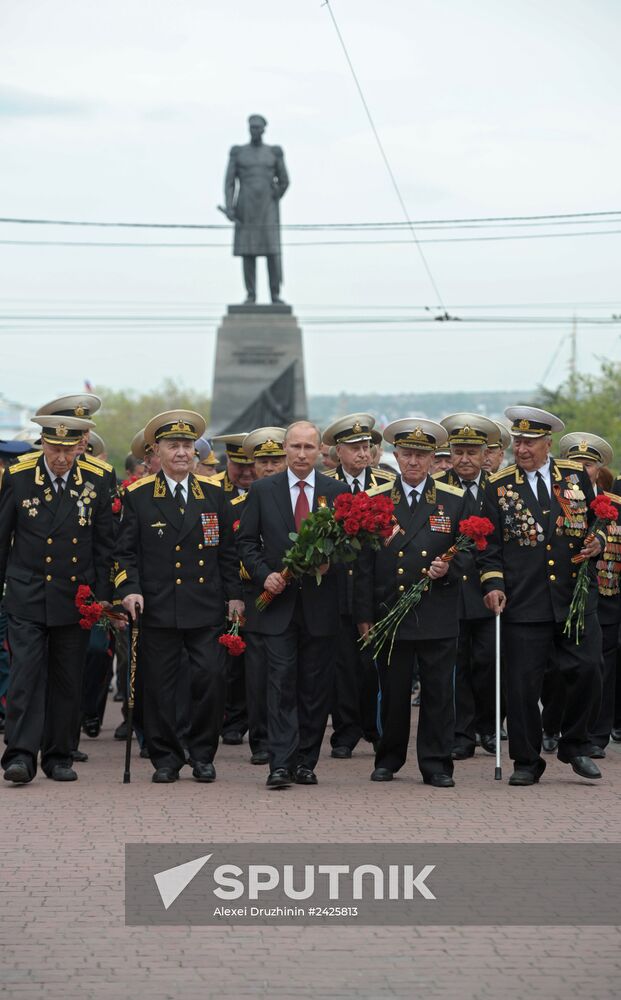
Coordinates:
<point>99,461</point>
<point>384,474</point>
<point>373,492</point>
<point>140,482</point>
<point>213,481</point>
<point>22,466</point>
<point>28,455</point>
<point>239,499</point>
<point>331,473</point>
<point>447,488</point>
<point>612,496</point>
<point>97,469</point>
<point>509,471</point>
<point>566,463</point>
<point>204,479</point>
<point>437,475</point>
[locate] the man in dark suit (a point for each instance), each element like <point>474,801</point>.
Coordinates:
<point>177,561</point>
<point>470,435</point>
<point>428,515</point>
<point>354,700</point>
<point>55,534</point>
<point>541,515</point>
<point>301,624</point>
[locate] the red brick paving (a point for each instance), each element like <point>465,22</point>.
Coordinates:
<point>63,934</point>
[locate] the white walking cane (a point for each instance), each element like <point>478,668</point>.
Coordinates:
<point>498,771</point>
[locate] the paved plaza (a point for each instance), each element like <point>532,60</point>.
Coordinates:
<point>63,929</point>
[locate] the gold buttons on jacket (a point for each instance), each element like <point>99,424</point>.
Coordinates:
<point>201,580</point>
<point>552,577</point>
<point>74,541</point>
<point>550,562</point>
<point>201,562</point>
<point>464,577</point>
<point>48,558</point>
<point>73,579</point>
<point>549,548</point>
<point>399,571</point>
<point>49,541</point>
<point>400,554</point>
<point>424,552</point>
<point>48,578</point>
<point>350,572</point>
<point>177,565</point>
<point>177,581</point>
<point>573,575</point>
<point>401,589</point>
<point>177,548</point>
<point>74,558</point>
<point>200,545</point>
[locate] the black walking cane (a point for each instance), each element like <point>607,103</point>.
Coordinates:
<point>131,686</point>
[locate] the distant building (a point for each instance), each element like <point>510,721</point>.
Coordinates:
<point>14,417</point>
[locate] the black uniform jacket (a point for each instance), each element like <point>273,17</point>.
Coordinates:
<point>426,530</point>
<point>51,543</point>
<point>373,479</point>
<point>184,565</point>
<point>530,564</point>
<point>263,538</point>
<point>471,604</point>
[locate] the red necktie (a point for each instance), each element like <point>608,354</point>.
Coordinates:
<point>302,509</point>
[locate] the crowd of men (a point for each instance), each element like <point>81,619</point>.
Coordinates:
<point>186,547</point>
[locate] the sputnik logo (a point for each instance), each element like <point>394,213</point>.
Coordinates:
<point>172,881</point>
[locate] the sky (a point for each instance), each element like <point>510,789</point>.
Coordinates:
<point>125,111</point>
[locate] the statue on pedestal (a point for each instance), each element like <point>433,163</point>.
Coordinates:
<point>256,179</point>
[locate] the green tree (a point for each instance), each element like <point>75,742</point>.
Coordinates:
<point>124,413</point>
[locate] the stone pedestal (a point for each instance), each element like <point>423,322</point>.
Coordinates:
<point>259,369</point>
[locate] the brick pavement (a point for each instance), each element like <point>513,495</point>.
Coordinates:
<point>62,903</point>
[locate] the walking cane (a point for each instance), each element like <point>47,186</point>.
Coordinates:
<point>131,686</point>
<point>498,771</point>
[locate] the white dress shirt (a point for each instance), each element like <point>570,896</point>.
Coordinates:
<point>532,478</point>
<point>172,486</point>
<point>54,477</point>
<point>409,490</point>
<point>294,491</point>
<point>350,479</point>
<point>473,489</point>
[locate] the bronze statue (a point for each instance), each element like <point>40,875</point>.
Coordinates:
<point>256,179</point>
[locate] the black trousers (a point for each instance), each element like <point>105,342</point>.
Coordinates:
<point>602,717</point>
<point>45,686</point>
<point>235,709</point>
<point>354,696</point>
<point>97,674</point>
<point>552,697</point>
<point>475,681</point>
<point>528,647</point>
<point>160,662</point>
<point>436,718</point>
<point>256,691</point>
<point>300,674</point>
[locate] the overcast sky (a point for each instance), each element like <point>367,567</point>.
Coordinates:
<point>125,111</point>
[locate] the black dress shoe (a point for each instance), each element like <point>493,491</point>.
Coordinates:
<point>341,753</point>
<point>462,753</point>
<point>18,773</point>
<point>204,772</point>
<point>260,757</point>
<point>120,733</point>
<point>583,766</point>
<point>279,778</point>
<point>597,753</point>
<point>232,739</point>
<point>523,777</point>
<point>62,772</point>
<point>305,776</point>
<point>550,742</point>
<point>91,727</point>
<point>79,756</point>
<point>382,774</point>
<point>615,735</point>
<point>144,753</point>
<point>440,781</point>
<point>165,775</point>
<point>488,743</point>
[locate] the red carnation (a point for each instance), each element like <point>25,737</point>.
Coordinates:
<point>603,509</point>
<point>116,505</point>
<point>234,644</point>
<point>236,525</point>
<point>477,528</point>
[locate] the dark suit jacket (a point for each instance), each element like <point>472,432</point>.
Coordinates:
<point>471,604</point>
<point>384,575</point>
<point>185,566</point>
<point>263,538</point>
<point>538,578</point>
<point>50,544</point>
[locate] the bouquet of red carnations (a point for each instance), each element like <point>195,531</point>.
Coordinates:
<point>232,640</point>
<point>93,612</point>
<point>336,535</point>
<point>473,534</point>
<point>605,512</point>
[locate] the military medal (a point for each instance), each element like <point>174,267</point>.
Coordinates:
<point>211,530</point>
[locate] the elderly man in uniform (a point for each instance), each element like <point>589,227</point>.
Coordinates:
<point>541,516</point>
<point>441,461</point>
<point>55,534</point>
<point>265,446</point>
<point>256,179</point>
<point>177,562</point>
<point>235,480</point>
<point>354,700</point>
<point>470,435</point>
<point>301,624</point>
<point>593,453</point>
<point>428,515</point>
<point>495,454</point>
